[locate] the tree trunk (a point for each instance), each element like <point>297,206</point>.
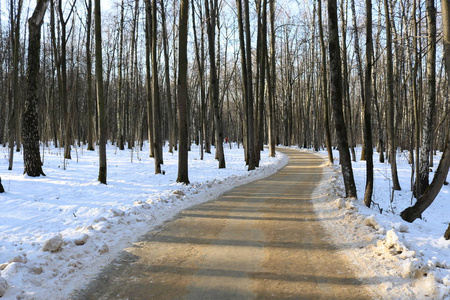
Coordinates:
<point>390,100</point>
<point>272,81</point>
<point>89,77</point>
<point>30,130</point>
<point>148,76</point>
<point>183,94</point>
<point>368,107</point>
<point>336,100</point>
<point>430,101</point>
<point>214,84</point>
<point>170,114</point>
<point>325,85</point>
<point>14,106</point>
<point>100,98</point>
<point>155,89</point>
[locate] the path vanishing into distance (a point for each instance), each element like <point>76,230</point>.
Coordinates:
<point>261,240</point>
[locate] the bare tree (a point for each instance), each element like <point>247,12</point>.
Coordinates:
<point>183,94</point>
<point>89,76</point>
<point>368,106</point>
<point>272,81</point>
<point>157,140</point>
<point>336,100</point>
<point>390,99</point>
<point>14,101</point>
<point>30,130</point>
<point>412,213</point>
<point>324,84</point>
<point>430,101</point>
<point>211,16</point>
<point>100,98</point>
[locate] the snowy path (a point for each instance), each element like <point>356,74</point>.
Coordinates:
<point>260,240</point>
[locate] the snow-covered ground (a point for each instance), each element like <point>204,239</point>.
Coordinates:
<point>399,260</point>
<point>86,224</point>
<point>57,231</point>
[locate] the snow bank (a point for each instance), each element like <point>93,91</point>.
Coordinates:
<point>396,259</point>
<point>59,230</point>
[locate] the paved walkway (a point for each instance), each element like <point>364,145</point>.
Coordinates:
<point>259,241</point>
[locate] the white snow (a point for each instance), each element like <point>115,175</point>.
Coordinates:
<point>83,225</point>
<point>57,231</point>
<point>395,259</point>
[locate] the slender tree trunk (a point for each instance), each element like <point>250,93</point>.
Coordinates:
<point>30,128</point>
<point>368,107</point>
<point>345,82</point>
<point>14,107</point>
<point>64,98</point>
<point>183,94</point>
<point>100,98</point>
<point>170,114</point>
<point>214,84</point>
<point>336,100</point>
<point>155,89</point>
<point>417,188</point>
<point>120,106</point>
<point>250,99</point>
<point>390,100</point>
<point>148,76</point>
<point>325,85</point>
<point>359,64</point>
<point>272,81</point>
<point>89,77</point>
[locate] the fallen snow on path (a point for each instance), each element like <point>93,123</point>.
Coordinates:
<point>57,231</point>
<point>399,260</point>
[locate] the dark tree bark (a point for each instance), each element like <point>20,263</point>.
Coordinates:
<point>148,32</point>
<point>336,100</point>
<point>2,190</point>
<point>272,82</point>
<point>244,18</point>
<point>100,98</point>
<point>390,100</point>
<point>30,130</point>
<point>325,85</point>
<point>183,94</point>
<point>211,16</point>
<point>368,107</point>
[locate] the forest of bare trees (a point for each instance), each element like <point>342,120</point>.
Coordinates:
<point>317,74</point>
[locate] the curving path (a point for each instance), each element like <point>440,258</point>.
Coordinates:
<point>261,240</point>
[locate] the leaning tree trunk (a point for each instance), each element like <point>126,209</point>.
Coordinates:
<point>30,132</point>
<point>415,211</point>
<point>336,99</point>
